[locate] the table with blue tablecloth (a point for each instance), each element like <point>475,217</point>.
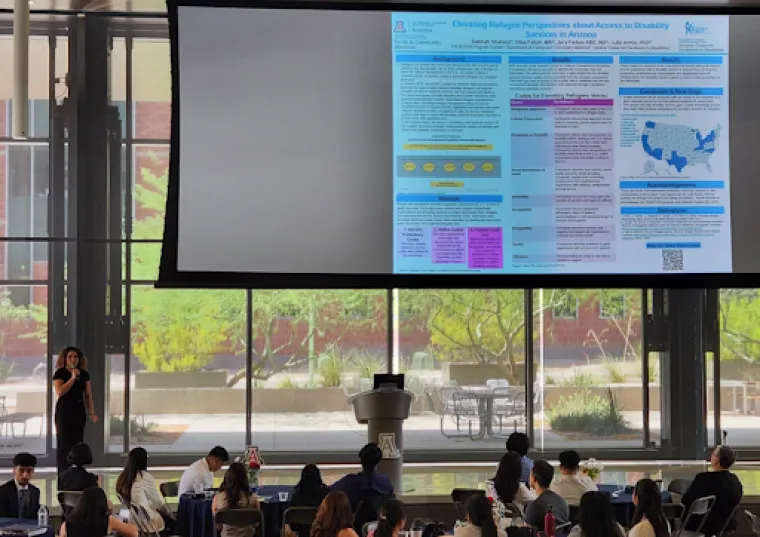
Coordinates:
<point>622,501</point>
<point>194,517</point>
<point>27,526</point>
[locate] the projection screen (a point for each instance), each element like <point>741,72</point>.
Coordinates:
<point>420,145</point>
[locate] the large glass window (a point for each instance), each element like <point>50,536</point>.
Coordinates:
<point>739,367</point>
<point>463,352</point>
<point>589,373</point>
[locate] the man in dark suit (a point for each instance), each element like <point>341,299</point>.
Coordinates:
<point>720,483</point>
<point>18,497</point>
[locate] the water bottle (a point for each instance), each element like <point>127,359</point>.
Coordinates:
<point>42,517</point>
<point>549,522</point>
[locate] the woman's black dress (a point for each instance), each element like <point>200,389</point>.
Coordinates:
<point>70,415</point>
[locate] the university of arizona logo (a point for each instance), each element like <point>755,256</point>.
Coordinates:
<point>694,28</point>
<point>387,444</point>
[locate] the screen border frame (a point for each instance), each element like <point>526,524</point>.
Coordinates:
<point>171,277</point>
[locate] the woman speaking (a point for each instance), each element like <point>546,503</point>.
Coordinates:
<point>72,386</point>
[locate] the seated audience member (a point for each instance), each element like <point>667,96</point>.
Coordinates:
<point>200,474</point>
<point>508,484</point>
<point>480,522</point>
<point>572,483</point>
<point>235,493</point>
<point>367,482</point>
<point>540,480</point>
<point>90,518</point>
<point>76,477</point>
<point>722,484</point>
<point>597,517</point>
<point>137,487</point>
<point>310,490</point>
<point>334,518</point>
<point>520,443</point>
<point>648,517</point>
<point>392,519</point>
<point>18,497</point>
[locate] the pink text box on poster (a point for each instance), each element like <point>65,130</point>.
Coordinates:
<point>485,248</point>
<point>449,245</point>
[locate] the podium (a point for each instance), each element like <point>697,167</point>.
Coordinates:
<point>384,410</point>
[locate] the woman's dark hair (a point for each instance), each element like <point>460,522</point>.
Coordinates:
<point>649,499</point>
<point>392,513</point>
<point>508,475</point>
<point>80,455</point>
<point>91,513</point>
<point>481,514</point>
<point>334,514</point>
<point>235,485</point>
<point>137,462</point>
<point>597,517</point>
<point>61,360</point>
<point>518,442</point>
<point>311,478</point>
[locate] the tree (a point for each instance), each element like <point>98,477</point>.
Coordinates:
<point>485,326</point>
<point>739,324</point>
<point>622,308</point>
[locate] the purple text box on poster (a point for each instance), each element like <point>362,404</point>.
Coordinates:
<point>449,245</point>
<point>413,242</point>
<point>485,248</point>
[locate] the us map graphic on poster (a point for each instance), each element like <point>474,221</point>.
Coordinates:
<point>560,143</point>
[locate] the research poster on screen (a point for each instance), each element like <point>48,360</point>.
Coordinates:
<point>560,144</point>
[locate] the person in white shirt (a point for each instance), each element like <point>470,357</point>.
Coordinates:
<point>572,483</point>
<point>137,487</point>
<point>200,474</point>
<point>648,518</point>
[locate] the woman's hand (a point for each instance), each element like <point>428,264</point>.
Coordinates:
<point>93,417</point>
<point>75,373</point>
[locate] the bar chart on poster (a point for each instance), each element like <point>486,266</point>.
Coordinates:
<point>462,143</point>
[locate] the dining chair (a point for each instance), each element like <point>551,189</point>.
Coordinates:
<point>299,519</point>
<point>68,500</point>
<point>700,508</point>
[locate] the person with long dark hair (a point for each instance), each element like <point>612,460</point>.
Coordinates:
<point>235,493</point>
<point>480,522</point>
<point>520,442</point>
<point>334,518</point>
<point>648,517</point>
<point>91,518</point>
<point>136,486</point>
<point>508,483</point>
<point>597,517</point>
<point>392,519</point>
<point>74,391</point>
<point>310,490</point>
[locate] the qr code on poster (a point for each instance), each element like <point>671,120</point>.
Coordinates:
<point>672,260</point>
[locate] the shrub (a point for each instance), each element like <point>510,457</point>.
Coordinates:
<point>580,379</point>
<point>287,382</point>
<point>368,365</point>
<point>584,412</point>
<point>6,370</point>
<point>615,373</point>
<point>331,370</point>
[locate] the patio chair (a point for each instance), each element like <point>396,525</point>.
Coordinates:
<point>458,406</point>
<point>700,508</point>
<point>240,518</point>
<point>141,519</point>
<point>673,514</point>
<point>510,407</point>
